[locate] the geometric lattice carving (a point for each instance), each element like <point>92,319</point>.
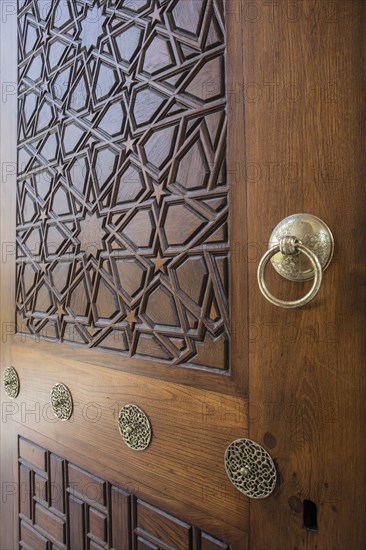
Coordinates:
<point>63,506</point>
<point>122,237</point>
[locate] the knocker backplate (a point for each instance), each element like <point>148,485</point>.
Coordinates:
<point>313,233</point>
<point>250,468</point>
<point>61,401</point>
<point>134,427</point>
<point>11,382</point>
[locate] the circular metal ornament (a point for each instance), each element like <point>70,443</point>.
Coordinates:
<point>250,468</point>
<point>11,382</point>
<point>61,401</point>
<point>134,427</point>
<point>312,233</point>
<point>318,273</point>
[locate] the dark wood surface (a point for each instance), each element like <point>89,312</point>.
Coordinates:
<point>122,281</point>
<point>122,228</point>
<point>305,136</point>
<point>123,233</point>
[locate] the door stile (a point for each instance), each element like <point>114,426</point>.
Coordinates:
<point>8,160</point>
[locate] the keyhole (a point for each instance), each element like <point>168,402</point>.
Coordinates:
<point>310,515</point>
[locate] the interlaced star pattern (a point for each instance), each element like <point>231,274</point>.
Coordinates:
<point>122,238</point>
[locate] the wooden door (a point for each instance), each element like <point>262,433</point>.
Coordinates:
<point>148,148</point>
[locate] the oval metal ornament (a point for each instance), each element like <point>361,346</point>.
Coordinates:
<point>11,382</point>
<point>134,427</point>
<point>250,468</point>
<point>61,401</point>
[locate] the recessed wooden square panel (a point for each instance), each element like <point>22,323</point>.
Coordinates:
<point>40,487</point>
<point>33,454</point>
<point>50,523</point>
<point>209,543</point>
<point>98,524</point>
<point>120,514</point>
<point>29,538</point>
<point>25,491</point>
<point>83,484</point>
<point>57,476</point>
<point>158,526</point>
<point>145,545</point>
<point>76,522</point>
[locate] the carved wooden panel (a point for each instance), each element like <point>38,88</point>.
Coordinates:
<point>62,506</point>
<point>122,237</point>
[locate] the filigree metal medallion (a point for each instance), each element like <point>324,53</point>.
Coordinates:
<point>134,427</point>
<point>250,468</point>
<point>11,382</point>
<point>61,401</point>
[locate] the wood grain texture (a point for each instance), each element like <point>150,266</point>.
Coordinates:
<point>191,430</point>
<point>305,153</point>
<point>122,120</point>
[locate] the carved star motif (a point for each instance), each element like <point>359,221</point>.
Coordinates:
<point>160,262</point>
<point>92,27</point>
<point>156,14</point>
<point>129,143</point>
<point>91,235</point>
<point>60,311</point>
<point>43,266</point>
<point>129,81</point>
<point>43,215</point>
<point>159,192</point>
<point>131,317</point>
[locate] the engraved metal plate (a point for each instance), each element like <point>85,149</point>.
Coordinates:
<point>313,233</point>
<point>134,427</point>
<point>11,382</point>
<point>61,401</point>
<point>250,468</point>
